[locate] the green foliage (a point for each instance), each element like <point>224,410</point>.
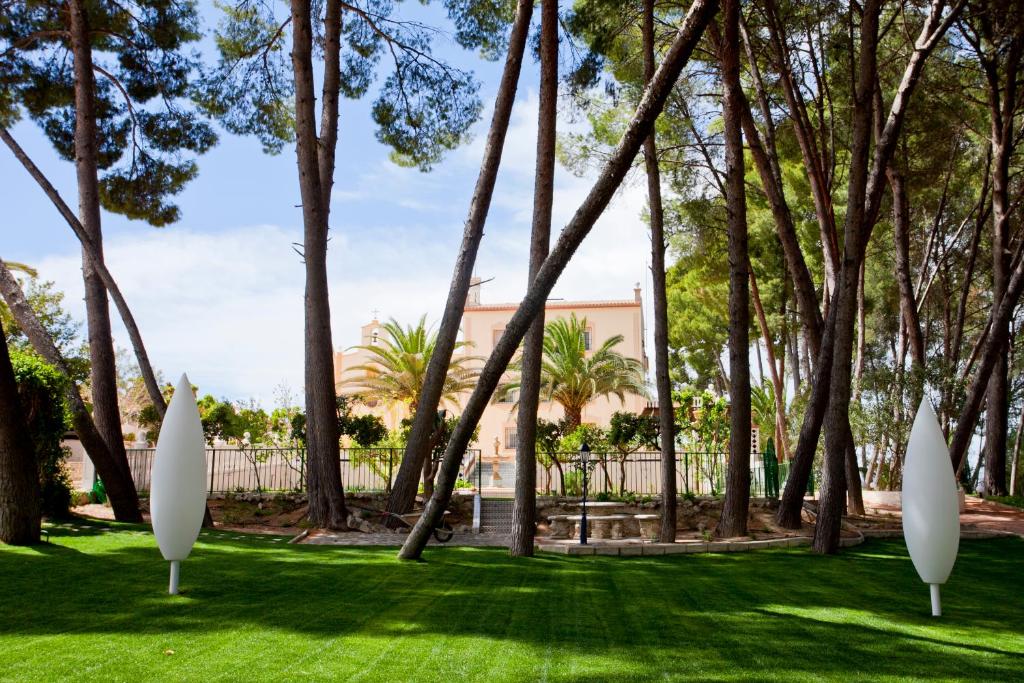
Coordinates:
<point>398,364</point>
<point>424,107</point>
<point>762,406</point>
<point>573,376</point>
<point>145,66</point>
<point>702,420</point>
<point>41,392</point>
<point>366,430</point>
<point>47,303</point>
<point>629,432</point>
<point>593,435</point>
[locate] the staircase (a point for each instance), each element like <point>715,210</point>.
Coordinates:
<point>496,516</point>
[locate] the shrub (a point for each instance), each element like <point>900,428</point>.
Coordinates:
<point>41,390</point>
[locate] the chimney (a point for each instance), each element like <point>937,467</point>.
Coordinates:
<point>636,293</point>
<point>473,296</point>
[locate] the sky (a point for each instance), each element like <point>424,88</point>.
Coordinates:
<point>219,294</point>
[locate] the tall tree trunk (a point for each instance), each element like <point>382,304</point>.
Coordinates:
<point>1014,483</point>
<point>901,237</point>
<point>833,486</point>
<point>608,181</point>
<point>403,492</point>
<point>19,473</point>
<point>524,508</point>
<point>778,385</point>
<point>733,521</point>
<point>119,485</point>
<point>103,370</point>
<point>326,496</point>
<point>663,385</point>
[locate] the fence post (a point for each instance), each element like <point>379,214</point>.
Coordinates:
<point>213,467</point>
<point>391,466</point>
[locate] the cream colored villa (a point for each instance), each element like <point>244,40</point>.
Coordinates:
<point>483,324</point>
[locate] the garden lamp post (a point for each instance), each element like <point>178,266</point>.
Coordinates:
<point>584,462</point>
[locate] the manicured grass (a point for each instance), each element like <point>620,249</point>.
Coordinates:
<point>92,605</point>
<point>1015,501</point>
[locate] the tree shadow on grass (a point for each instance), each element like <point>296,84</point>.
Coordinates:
<point>861,613</point>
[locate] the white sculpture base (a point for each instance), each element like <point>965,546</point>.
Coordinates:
<point>175,573</point>
<point>936,600</point>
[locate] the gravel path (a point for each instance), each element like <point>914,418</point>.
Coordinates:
<point>396,540</point>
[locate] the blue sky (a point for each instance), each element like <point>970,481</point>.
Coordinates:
<point>219,294</point>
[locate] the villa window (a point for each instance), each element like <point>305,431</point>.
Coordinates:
<point>509,396</point>
<point>496,335</point>
<point>587,337</point>
<point>511,438</point>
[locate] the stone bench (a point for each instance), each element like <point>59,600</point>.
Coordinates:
<point>650,526</point>
<point>561,527</point>
<point>599,526</point>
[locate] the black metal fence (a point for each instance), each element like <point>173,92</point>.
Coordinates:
<point>231,470</point>
<point>697,473</point>
<point>281,469</point>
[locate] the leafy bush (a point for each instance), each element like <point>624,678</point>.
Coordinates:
<point>41,390</point>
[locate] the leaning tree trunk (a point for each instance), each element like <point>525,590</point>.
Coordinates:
<point>733,521</point>
<point>403,491</point>
<point>666,416</point>
<point>524,508</point>
<point>994,340</point>
<point>119,486</point>
<point>569,240</point>
<point>326,496</point>
<point>19,474</point>
<point>103,369</point>
<point>94,255</point>
<point>1014,484</point>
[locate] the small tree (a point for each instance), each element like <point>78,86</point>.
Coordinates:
<point>596,440</point>
<point>549,438</point>
<point>628,433</point>
<point>41,393</point>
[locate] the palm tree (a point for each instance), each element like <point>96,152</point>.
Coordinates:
<point>398,365</point>
<point>572,376</point>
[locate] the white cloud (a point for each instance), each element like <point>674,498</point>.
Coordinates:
<point>227,307</point>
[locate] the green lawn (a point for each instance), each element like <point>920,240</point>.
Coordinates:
<point>1015,501</point>
<point>92,606</point>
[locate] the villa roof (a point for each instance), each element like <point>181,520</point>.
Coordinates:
<point>558,305</point>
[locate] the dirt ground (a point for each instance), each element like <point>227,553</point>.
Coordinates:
<point>285,517</point>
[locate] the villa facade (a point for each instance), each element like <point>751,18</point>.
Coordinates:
<point>482,326</point>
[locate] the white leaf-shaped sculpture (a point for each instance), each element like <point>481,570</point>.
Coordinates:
<point>178,488</point>
<point>931,512</point>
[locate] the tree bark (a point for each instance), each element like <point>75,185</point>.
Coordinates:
<point>608,181</point>
<point>833,487</point>
<point>901,237</point>
<point>997,400</point>
<point>524,509</point>
<point>1014,483</point>
<point>326,496</point>
<point>663,385</point>
<point>19,473</point>
<point>864,195</point>
<point>733,521</point>
<point>103,370</point>
<point>119,485</point>
<point>994,340</point>
<point>403,491</point>
<point>778,384</point>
